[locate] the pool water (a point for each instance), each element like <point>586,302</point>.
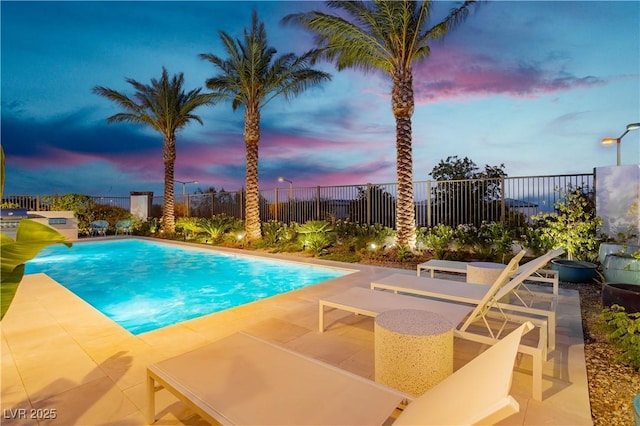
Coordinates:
<point>144,285</point>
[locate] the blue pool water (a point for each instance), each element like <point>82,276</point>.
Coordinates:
<point>144,285</point>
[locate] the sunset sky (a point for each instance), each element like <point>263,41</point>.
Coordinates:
<point>534,85</point>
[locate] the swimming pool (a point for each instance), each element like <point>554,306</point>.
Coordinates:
<point>145,285</point>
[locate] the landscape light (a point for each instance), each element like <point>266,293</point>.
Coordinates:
<point>611,141</point>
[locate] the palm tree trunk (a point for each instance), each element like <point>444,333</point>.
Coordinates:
<point>402,104</point>
<point>252,202</point>
<point>169,157</point>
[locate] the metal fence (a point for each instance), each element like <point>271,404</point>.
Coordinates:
<point>511,199</point>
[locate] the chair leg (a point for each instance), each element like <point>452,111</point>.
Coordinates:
<point>537,376</point>
<point>151,400</point>
<point>321,318</point>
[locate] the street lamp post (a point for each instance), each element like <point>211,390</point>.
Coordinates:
<point>184,192</point>
<point>281,179</point>
<point>611,141</point>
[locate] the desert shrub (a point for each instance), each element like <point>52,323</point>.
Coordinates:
<point>314,235</point>
<point>217,226</point>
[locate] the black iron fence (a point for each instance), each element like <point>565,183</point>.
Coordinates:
<point>511,199</point>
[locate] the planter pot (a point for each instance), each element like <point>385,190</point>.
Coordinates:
<point>574,271</point>
<point>621,269</point>
<point>614,248</point>
<point>623,294</point>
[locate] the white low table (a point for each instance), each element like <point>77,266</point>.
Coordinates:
<point>434,265</point>
<point>484,272</point>
<point>413,350</point>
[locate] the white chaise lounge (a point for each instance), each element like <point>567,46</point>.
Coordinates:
<point>371,303</point>
<point>539,275</point>
<point>502,302</point>
<point>242,379</point>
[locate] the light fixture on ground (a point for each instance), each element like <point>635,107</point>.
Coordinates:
<point>611,141</point>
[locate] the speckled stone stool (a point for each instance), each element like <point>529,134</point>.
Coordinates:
<point>483,272</point>
<point>413,350</point>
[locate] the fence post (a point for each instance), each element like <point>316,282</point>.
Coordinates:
<point>503,209</point>
<point>213,202</point>
<point>276,205</point>
<point>242,205</point>
<point>368,204</point>
<point>318,203</point>
<point>428,204</point>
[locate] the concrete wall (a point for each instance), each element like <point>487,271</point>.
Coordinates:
<point>618,200</point>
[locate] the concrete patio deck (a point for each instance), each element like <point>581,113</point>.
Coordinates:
<point>61,356</point>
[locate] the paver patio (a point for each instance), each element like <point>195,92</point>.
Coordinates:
<point>59,353</point>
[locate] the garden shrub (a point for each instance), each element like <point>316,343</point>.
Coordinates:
<point>532,237</point>
<point>217,226</point>
<point>270,231</point>
<point>188,226</point>
<point>573,226</point>
<point>314,235</point>
<point>437,239</point>
<point>624,333</point>
<point>81,205</point>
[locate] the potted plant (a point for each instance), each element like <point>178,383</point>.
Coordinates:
<point>573,226</point>
<point>622,267</point>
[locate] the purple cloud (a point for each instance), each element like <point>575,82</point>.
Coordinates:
<point>458,74</point>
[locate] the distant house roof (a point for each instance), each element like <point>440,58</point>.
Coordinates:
<point>511,202</point>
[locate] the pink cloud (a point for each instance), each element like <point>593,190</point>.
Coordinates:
<point>455,74</point>
<point>61,157</point>
<point>458,74</point>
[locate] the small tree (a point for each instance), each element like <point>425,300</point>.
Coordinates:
<point>573,226</point>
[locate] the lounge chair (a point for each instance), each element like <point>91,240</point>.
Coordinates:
<point>98,227</point>
<point>370,303</point>
<point>124,226</point>
<point>505,301</point>
<point>540,275</point>
<point>242,379</point>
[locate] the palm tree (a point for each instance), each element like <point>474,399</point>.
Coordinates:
<point>165,107</point>
<point>252,77</point>
<point>387,36</point>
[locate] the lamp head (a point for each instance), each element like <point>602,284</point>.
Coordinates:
<point>609,141</point>
<point>633,126</point>
<point>280,179</point>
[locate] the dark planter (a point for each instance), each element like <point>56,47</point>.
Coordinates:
<point>574,271</point>
<point>623,294</point>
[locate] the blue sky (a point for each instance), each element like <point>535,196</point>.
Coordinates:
<point>531,84</point>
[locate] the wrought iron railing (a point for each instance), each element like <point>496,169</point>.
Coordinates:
<point>511,199</point>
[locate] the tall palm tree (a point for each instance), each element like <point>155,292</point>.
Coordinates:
<point>251,76</point>
<point>388,36</point>
<point>165,107</point>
